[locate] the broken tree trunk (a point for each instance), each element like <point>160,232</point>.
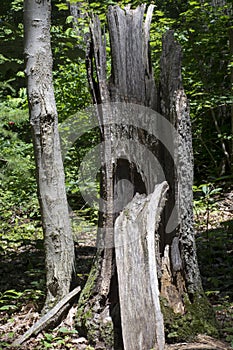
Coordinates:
<point>133,136</point>
<point>131,81</point>
<point>141,317</point>
<point>179,171</point>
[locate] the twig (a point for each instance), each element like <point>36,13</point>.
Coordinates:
<point>46,320</point>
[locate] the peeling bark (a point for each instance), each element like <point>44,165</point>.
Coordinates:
<point>175,107</point>
<point>105,308</point>
<point>58,240</point>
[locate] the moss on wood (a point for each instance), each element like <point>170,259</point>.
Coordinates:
<point>199,318</point>
<point>92,319</point>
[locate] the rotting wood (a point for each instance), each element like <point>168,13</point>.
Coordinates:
<point>46,320</point>
<point>136,248</point>
<point>132,83</point>
<point>179,171</point>
<point>168,289</point>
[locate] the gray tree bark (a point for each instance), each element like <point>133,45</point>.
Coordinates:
<point>113,301</point>
<point>129,55</point>
<point>58,240</point>
<point>179,170</point>
<point>231,80</point>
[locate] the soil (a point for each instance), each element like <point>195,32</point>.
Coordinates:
<point>22,271</point>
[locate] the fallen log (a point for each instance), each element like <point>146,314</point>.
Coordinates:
<point>50,317</point>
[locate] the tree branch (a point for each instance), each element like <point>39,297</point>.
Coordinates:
<point>47,319</point>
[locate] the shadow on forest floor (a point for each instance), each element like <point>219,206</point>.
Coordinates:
<point>22,277</point>
<point>215,256</point>
<point>25,267</point>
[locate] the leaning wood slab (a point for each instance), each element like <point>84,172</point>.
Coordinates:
<point>47,319</point>
<point>136,244</point>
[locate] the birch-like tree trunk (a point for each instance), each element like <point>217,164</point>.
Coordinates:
<point>58,241</point>
<point>231,81</point>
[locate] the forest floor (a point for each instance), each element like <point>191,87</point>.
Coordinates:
<point>22,281</point>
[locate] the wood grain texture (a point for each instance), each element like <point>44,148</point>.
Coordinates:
<point>136,246</point>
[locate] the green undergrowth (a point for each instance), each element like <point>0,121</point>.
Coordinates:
<point>215,257</point>
<point>198,319</point>
<point>22,278</point>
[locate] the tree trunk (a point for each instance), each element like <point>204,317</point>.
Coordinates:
<point>58,241</point>
<point>179,169</point>
<point>114,305</point>
<point>231,81</point>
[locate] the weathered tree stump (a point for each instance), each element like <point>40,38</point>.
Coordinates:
<point>137,246</point>
<point>110,317</point>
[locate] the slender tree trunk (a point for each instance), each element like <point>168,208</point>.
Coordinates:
<point>58,241</point>
<point>114,300</point>
<point>231,81</point>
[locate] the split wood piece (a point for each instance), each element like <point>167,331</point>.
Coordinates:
<point>47,319</point>
<point>136,246</point>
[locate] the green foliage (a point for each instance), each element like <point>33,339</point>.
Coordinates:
<point>18,185</point>
<point>68,45</point>
<point>12,300</point>
<point>202,30</point>
<point>11,47</point>
<point>71,89</point>
<point>7,297</point>
<point>59,339</point>
<point>50,341</point>
<point>205,196</point>
<point>198,319</point>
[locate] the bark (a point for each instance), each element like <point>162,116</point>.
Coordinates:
<point>129,100</point>
<point>131,81</point>
<point>58,240</point>
<point>231,81</point>
<point>174,106</point>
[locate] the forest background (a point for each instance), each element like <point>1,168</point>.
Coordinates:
<point>205,32</point>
